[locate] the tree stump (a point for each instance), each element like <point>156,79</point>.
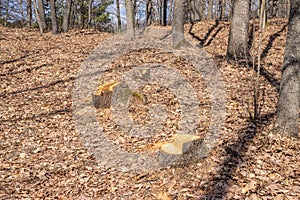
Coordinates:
<point>102,96</point>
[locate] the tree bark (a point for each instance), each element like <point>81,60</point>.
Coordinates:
<point>66,18</point>
<point>130,19</point>
<point>210,9</point>
<point>6,13</point>
<point>119,15</point>
<point>282,9</point>
<point>178,23</point>
<point>53,17</point>
<point>38,19</point>
<point>1,4</point>
<point>196,10</point>
<point>29,13</point>
<point>165,7</point>
<point>289,96</point>
<point>238,36</point>
<point>160,12</point>
<point>90,13</point>
<point>41,11</point>
<point>148,12</point>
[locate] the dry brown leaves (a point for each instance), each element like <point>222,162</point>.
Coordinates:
<point>41,156</point>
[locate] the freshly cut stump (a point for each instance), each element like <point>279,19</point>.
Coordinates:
<point>102,96</point>
<point>185,149</point>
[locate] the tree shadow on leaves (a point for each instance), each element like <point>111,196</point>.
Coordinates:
<point>235,156</point>
<point>209,32</point>
<point>271,41</point>
<point>61,81</point>
<point>38,117</point>
<point>23,70</point>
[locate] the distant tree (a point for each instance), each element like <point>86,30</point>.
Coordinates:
<point>119,15</point>
<point>90,12</point>
<point>38,17</point>
<point>41,12</point>
<point>66,17</point>
<point>289,96</point>
<point>196,10</point>
<point>53,17</point>
<point>209,9</point>
<point>165,8</point>
<point>148,12</point>
<point>130,19</point>
<point>29,13</point>
<point>178,23</point>
<point>6,13</point>
<point>238,36</point>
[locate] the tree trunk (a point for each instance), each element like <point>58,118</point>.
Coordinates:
<point>282,9</point>
<point>160,11</point>
<point>216,11</point>
<point>178,23</point>
<point>53,17</point>
<point>29,13</point>
<point>66,20</point>
<point>210,9</point>
<point>119,15</point>
<point>165,7</point>
<point>72,15</point>
<point>41,11</point>
<point>238,36</point>
<point>275,11</point>
<point>130,19</point>
<point>90,13</point>
<point>1,4</point>
<point>38,19</point>
<point>148,12</point>
<point>289,96</point>
<point>82,12</point>
<point>196,10</point>
<point>6,13</point>
<point>224,5</point>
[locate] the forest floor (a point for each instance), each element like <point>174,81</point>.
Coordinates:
<point>42,155</point>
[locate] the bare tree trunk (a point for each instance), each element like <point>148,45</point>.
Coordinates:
<point>216,11</point>
<point>196,10</point>
<point>1,4</point>
<point>53,17</point>
<point>289,96</point>
<point>90,13</point>
<point>165,7</point>
<point>148,12</point>
<point>130,19</point>
<point>82,24</point>
<point>29,13</point>
<point>238,36</point>
<point>210,9</point>
<point>6,13</point>
<point>118,15</point>
<point>160,12</point>
<point>282,9</point>
<point>38,17</point>
<point>42,14</point>
<point>275,8</point>
<point>72,15</point>
<point>221,9</point>
<point>178,23</point>
<point>66,20</point>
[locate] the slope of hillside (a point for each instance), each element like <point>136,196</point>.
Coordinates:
<point>42,156</point>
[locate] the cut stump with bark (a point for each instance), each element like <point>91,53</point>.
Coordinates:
<point>102,96</point>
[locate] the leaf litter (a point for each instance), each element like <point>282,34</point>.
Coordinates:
<point>41,155</point>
